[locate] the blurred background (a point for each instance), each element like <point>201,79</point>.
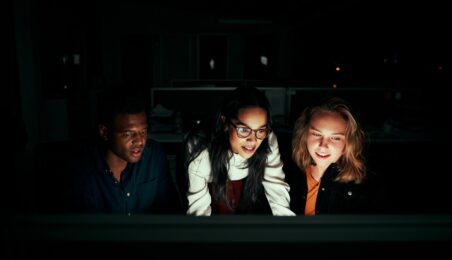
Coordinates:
<point>390,60</point>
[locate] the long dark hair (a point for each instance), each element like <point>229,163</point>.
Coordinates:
<point>215,138</point>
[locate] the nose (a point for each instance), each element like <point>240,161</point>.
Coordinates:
<point>252,137</point>
<point>138,139</point>
<point>323,142</point>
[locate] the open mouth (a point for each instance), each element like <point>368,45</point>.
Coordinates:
<point>136,152</point>
<point>323,156</point>
<point>249,149</point>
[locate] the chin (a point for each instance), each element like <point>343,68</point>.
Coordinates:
<point>133,160</point>
<point>246,155</point>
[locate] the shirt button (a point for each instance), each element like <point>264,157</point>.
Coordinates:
<point>129,214</point>
<point>128,194</point>
<point>349,193</point>
<point>323,188</point>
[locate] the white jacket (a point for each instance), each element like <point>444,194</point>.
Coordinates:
<point>276,189</point>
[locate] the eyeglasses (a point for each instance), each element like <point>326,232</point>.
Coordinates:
<point>244,132</point>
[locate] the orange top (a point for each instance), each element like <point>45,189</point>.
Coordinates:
<point>313,190</point>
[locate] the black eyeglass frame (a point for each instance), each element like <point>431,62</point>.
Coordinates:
<point>267,131</point>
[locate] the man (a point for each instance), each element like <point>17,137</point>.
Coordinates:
<point>125,172</point>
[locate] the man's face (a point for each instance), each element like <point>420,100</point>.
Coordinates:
<point>127,137</point>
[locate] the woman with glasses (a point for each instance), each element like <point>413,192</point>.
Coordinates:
<point>236,168</point>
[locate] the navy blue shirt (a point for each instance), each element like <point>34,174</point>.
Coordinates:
<point>144,187</point>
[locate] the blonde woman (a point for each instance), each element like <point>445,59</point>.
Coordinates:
<point>328,173</point>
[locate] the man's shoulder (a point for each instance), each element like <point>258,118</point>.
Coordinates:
<point>154,150</point>
<point>154,145</point>
<point>85,155</point>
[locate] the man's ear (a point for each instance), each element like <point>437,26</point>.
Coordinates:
<point>103,132</point>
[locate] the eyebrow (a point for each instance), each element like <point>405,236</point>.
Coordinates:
<point>241,123</point>
<point>315,129</point>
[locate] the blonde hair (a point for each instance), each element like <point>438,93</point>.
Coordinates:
<point>351,164</point>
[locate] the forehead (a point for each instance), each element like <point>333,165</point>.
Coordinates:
<point>128,121</point>
<point>253,117</point>
<point>327,120</point>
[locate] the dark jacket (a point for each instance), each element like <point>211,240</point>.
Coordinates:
<point>334,197</point>
<point>145,186</point>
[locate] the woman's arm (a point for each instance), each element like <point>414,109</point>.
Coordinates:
<point>198,195</point>
<point>276,189</point>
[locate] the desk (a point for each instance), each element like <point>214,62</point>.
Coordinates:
<point>251,237</point>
